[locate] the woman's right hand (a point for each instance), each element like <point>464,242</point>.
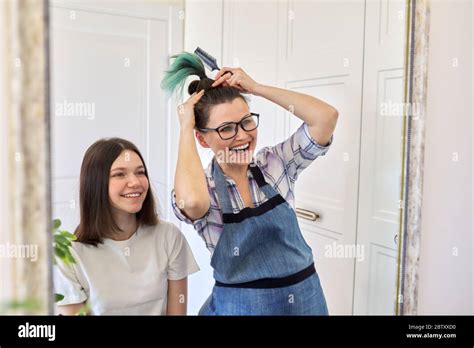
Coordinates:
<point>186,110</point>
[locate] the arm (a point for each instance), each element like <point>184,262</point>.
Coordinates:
<point>71,309</point>
<point>320,117</point>
<point>190,185</point>
<point>177,297</point>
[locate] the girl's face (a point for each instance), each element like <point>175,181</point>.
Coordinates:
<point>234,151</point>
<point>128,184</point>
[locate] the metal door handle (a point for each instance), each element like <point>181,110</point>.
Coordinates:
<point>306,214</point>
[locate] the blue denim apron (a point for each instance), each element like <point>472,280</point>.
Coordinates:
<point>262,264</point>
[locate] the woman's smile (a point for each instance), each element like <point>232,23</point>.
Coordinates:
<point>240,148</point>
<point>132,195</point>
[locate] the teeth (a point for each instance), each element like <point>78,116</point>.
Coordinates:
<point>132,195</point>
<point>242,147</point>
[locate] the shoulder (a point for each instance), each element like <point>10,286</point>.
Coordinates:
<point>270,163</point>
<point>267,154</point>
<point>83,254</point>
<point>80,248</point>
<point>162,229</point>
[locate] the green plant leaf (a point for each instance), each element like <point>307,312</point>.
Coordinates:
<point>70,259</point>
<point>58,297</point>
<point>84,309</point>
<point>64,248</point>
<point>59,252</point>
<point>62,243</point>
<point>68,235</point>
<point>59,239</point>
<point>56,224</point>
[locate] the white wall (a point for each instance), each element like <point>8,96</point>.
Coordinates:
<point>445,280</point>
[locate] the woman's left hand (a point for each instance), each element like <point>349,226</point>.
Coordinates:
<point>238,79</point>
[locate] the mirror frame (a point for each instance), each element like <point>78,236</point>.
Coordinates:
<point>416,79</point>
<point>25,102</point>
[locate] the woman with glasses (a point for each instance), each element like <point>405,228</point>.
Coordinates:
<point>242,205</point>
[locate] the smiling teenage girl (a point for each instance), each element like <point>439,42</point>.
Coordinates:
<point>243,205</point>
<point>127,262</point>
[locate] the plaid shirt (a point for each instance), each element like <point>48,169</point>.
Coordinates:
<point>280,164</point>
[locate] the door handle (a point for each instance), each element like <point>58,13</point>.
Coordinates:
<point>307,214</point>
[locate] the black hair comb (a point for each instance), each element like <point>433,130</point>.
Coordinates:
<point>207,59</point>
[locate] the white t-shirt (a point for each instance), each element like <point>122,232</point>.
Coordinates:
<point>126,277</point>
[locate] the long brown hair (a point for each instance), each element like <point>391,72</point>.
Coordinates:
<point>97,220</point>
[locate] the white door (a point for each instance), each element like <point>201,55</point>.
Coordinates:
<point>324,55</point>
<point>107,61</point>
<point>381,158</point>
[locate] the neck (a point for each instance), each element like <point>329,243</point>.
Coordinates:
<point>235,171</point>
<point>127,223</point>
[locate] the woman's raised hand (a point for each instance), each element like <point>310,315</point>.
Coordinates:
<point>235,77</point>
<point>186,110</point>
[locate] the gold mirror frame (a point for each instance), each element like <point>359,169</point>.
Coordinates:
<point>418,20</point>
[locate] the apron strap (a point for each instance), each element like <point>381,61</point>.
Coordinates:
<point>221,188</point>
<point>223,192</point>
<point>266,188</point>
<point>257,174</point>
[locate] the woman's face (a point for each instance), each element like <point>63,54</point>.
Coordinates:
<point>128,184</point>
<point>231,151</point>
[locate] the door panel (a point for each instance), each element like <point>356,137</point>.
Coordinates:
<point>329,67</point>
<point>107,60</point>
<point>381,158</point>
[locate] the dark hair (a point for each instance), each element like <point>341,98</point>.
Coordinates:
<point>96,221</point>
<point>187,64</point>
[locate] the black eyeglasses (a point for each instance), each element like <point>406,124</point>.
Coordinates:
<point>229,129</point>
